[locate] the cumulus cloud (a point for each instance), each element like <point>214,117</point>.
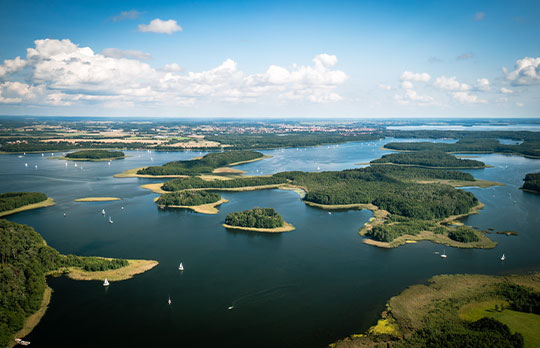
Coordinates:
<point>159,26</point>
<point>479,16</point>
<point>417,77</point>
<point>482,84</point>
<point>506,90</point>
<point>407,85</point>
<point>131,14</point>
<point>118,53</point>
<point>411,97</point>
<point>467,98</point>
<point>59,72</point>
<point>526,72</point>
<point>450,84</point>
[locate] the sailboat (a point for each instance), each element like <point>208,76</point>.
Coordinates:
<point>21,342</point>
<point>75,164</point>
<point>169,302</point>
<point>181,267</point>
<point>106,282</point>
<point>26,164</point>
<point>503,258</point>
<point>110,220</point>
<point>318,168</point>
<point>443,255</point>
<point>102,211</point>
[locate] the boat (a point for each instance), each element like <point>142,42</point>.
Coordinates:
<point>35,166</point>
<point>181,267</point>
<point>443,255</point>
<point>105,282</point>
<point>329,213</point>
<point>65,214</point>
<point>318,168</point>
<point>102,211</point>
<point>503,258</point>
<point>110,220</point>
<point>42,154</point>
<point>75,164</point>
<point>21,342</point>
<point>26,164</point>
<point>169,302</point>
<point>122,208</point>
<point>230,307</point>
<point>109,162</point>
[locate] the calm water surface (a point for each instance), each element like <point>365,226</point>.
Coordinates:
<point>305,288</point>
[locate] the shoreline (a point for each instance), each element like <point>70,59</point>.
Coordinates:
<point>88,159</point>
<point>156,188</point>
<point>287,227</point>
<point>97,199</point>
<point>209,208</point>
<point>49,202</point>
<point>420,165</point>
<point>132,173</point>
<point>133,268</point>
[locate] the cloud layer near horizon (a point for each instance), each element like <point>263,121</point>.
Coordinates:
<point>59,72</point>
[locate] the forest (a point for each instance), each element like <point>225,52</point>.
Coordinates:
<point>197,183</point>
<point>429,158</point>
<point>256,218</point>
<point>187,198</point>
<point>25,260</point>
<point>13,200</point>
<point>532,182</point>
<point>95,154</point>
<point>204,165</point>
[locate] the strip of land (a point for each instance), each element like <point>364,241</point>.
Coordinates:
<point>133,268</point>
<point>209,208</point>
<point>287,227</point>
<point>97,199</point>
<point>46,203</point>
<point>88,159</point>
<point>132,173</point>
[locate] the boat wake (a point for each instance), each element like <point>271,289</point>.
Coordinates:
<point>261,296</point>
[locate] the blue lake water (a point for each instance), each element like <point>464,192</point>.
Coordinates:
<point>304,288</point>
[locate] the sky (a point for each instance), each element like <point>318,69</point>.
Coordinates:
<point>330,59</point>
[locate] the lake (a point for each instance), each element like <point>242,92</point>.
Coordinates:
<point>305,288</point>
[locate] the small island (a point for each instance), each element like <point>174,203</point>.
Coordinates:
<point>429,159</point>
<point>97,199</point>
<point>199,201</point>
<point>257,220</point>
<point>531,183</point>
<point>458,311</point>
<point>14,202</point>
<point>93,155</point>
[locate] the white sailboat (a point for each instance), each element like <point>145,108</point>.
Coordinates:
<point>503,258</point>
<point>26,164</point>
<point>318,168</point>
<point>169,301</point>
<point>102,211</point>
<point>105,282</point>
<point>443,255</point>
<point>75,164</point>
<point>21,342</point>
<point>110,220</point>
<point>181,267</point>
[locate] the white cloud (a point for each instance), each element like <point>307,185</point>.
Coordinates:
<point>526,72</point>
<point>417,77</point>
<point>450,84</point>
<point>466,98</point>
<point>159,26</point>
<point>482,84</point>
<point>118,53</point>
<point>411,97</point>
<point>506,90</point>
<point>11,66</point>
<point>385,87</point>
<point>59,72</point>
<point>131,14</point>
<point>407,85</point>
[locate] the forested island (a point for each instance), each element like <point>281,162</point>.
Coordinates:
<point>458,311</point>
<point>429,158</point>
<point>198,183</point>
<point>25,261</point>
<point>14,202</point>
<point>94,155</point>
<point>532,183</point>
<point>204,165</point>
<point>258,220</point>
<point>199,201</point>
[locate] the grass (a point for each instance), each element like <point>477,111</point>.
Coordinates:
<point>209,208</point>
<point>528,324</point>
<point>31,322</point>
<point>287,227</point>
<point>97,199</point>
<point>385,326</point>
<point>46,203</point>
<point>134,267</point>
<point>156,188</point>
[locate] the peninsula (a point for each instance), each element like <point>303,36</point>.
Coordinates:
<point>257,220</point>
<point>93,155</point>
<point>14,202</point>
<point>532,183</point>
<point>199,201</point>
<point>429,159</point>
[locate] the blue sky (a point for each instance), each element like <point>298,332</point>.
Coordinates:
<point>270,59</point>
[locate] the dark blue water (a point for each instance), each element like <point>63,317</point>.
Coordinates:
<point>304,288</point>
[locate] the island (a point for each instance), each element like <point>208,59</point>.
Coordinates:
<point>203,165</point>
<point>97,199</point>
<point>14,202</point>
<point>93,155</point>
<point>458,311</point>
<point>531,183</point>
<point>257,220</point>
<point>26,260</point>
<point>199,201</point>
<point>430,159</point>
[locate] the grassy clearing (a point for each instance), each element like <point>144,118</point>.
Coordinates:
<point>134,267</point>
<point>209,208</point>
<point>156,188</point>
<point>97,199</point>
<point>46,203</point>
<point>287,227</point>
<point>31,322</point>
